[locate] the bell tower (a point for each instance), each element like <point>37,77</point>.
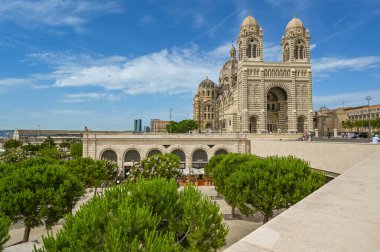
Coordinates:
<point>296,42</point>
<point>250,40</point>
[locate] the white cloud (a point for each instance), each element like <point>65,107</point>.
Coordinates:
<point>86,97</point>
<point>330,64</point>
<point>9,83</point>
<point>36,13</point>
<point>222,51</point>
<point>166,71</point>
<point>350,99</point>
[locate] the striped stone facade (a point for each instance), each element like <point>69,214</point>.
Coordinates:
<point>261,97</point>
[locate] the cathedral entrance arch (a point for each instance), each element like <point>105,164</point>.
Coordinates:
<point>109,155</point>
<point>272,125</point>
<point>277,110</point>
<point>182,157</point>
<point>301,124</point>
<point>208,126</point>
<point>253,124</point>
<point>199,159</point>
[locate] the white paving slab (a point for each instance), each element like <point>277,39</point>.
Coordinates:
<point>344,215</point>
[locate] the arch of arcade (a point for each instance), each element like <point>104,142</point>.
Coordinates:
<point>193,150</point>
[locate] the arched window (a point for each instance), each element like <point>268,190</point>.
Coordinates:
<point>199,159</point>
<point>154,152</point>
<point>132,156</point>
<point>182,157</point>
<point>286,53</point>
<point>252,49</point>
<point>221,152</point>
<point>109,155</point>
<point>240,51</point>
<point>254,52</point>
<point>299,50</point>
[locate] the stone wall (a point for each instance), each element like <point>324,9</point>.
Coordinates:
<point>330,157</point>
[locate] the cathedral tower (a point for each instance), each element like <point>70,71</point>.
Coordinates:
<point>296,42</point>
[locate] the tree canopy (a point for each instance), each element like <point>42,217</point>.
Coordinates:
<point>183,126</point>
<point>76,149</point>
<point>5,224</point>
<point>264,184</point>
<point>92,172</point>
<point>147,215</point>
<point>11,143</point>
<point>160,165</point>
<point>38,194</point>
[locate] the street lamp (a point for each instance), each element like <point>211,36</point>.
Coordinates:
<point>170,122</point>
<point>368,98</point>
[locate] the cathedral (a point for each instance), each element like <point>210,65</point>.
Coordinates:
<point>253,96</point>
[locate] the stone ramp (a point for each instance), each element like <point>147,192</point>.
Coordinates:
<point>344,215</point>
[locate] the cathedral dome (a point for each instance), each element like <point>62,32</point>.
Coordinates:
<point>250,21</point>
<point>294,23</point>
<point>206,83</point>
<point>229,68</point>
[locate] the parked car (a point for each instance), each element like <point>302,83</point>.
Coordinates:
<point>354,135</point>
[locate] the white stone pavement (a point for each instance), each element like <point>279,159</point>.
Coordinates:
<point>344,215</point>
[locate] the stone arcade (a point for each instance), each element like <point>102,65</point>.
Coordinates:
<point>259,97</point>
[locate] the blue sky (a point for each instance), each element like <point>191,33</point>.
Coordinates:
<point>66,64</point>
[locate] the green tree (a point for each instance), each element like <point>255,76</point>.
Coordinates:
<point>51,153</point>
<point>149,215</point>
<point>161,165</point>
<point>48,143</point>
<point>5,224</point>
<point>92,172</point>
<point>13,155</point>
<point>220,174</point>
<point>183,126</point>
<point>31,149</point>
<point>11,143</point>
<point>275,183</point>
<point>212,163</point>
<point>38,195</point>
<point>76,149</point>
<point>65,145</point>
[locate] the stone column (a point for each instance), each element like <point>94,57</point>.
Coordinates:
<point>243,108</point>
<point>292,98</point>
<point>309,103</point>
<point>335,133</point>
<point>262,126</point>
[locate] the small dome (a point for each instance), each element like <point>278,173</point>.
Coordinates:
<point>206,83</point>
<point>250,21</point>
<point>295,23</point>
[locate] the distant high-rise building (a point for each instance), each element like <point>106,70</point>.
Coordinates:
<point>137,126</point>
